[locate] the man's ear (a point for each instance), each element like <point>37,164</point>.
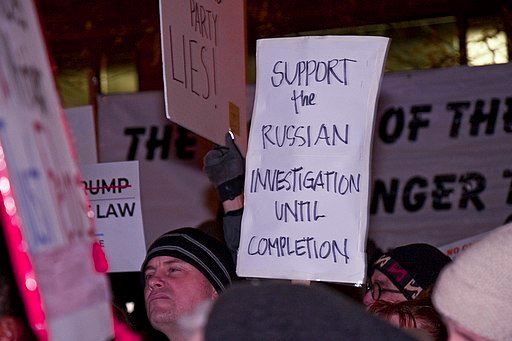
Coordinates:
<point>213,296</point>
<point>10,329</point>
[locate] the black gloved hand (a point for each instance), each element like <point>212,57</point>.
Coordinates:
<point>225,167</point>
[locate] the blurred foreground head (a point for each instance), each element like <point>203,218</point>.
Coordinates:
<point>283,311</point>
<point>474,293</point>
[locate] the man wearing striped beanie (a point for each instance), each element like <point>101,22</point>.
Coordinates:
<point>183,268</point>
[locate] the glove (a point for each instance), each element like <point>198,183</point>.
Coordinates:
<point>225,167</point>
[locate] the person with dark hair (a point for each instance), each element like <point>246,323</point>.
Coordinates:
<point>402,273</point>
<point>418,315</point>
<point>182,269</point>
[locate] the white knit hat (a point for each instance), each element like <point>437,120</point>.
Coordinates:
<point>475,291</point>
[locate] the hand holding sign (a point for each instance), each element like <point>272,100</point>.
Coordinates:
<point>225,167</point>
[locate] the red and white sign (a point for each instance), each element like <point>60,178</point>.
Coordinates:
<point>114,193</point>
<point>456,248</point>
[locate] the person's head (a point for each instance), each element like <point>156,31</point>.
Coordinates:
<point>183,268</point>
<point>404,272</point>
<point>474,293</point>
<point>417,314</point>
<point>284,311</point>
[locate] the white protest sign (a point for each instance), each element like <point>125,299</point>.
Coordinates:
<point>44,209</point>
<point>307,171</point>
<point>203,51</point>
<point>174,190</point>
<point>114,194</point>
<point>442,155</point>
<point>81,123</point>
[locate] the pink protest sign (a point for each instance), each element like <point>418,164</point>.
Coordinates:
<point>49,231</point>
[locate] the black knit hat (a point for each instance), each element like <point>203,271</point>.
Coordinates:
<point>412,267</point>
<point>195,247</point>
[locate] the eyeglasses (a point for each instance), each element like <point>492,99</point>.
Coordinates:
<point>377,291</point>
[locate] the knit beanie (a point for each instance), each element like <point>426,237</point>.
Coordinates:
<point>205,253</point>
<point>283,311</point>
<point>476,290</point>
<point>412,268</point>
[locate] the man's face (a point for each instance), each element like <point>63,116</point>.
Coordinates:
<point>173,288</point>
<point>388,291</point>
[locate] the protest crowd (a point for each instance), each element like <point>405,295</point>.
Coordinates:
<point>413,292</point>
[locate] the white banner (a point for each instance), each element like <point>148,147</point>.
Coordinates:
<point>174,190</point>
<point>442,156</point>
<point>307,177</point>
<point>203,52</point>
<point>114,194</point>
<point>81,124</point>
